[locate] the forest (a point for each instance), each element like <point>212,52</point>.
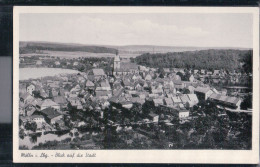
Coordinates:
<point>226,59</point>
<point>34,47</point>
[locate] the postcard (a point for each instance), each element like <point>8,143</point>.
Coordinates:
<point>136,85</point>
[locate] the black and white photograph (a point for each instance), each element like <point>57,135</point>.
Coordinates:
<point>136,79</point>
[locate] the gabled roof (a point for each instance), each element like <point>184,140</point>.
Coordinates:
<point>47,102</point>
<point>60,99</point>
<point>168,101</point>
<point>185,98</point>
<point>89,84</point>
<point>193,97</point>
<point>36,116</point>
<point>158,101</point>
<point>202,89</point>
<point>176,99</point>
<point>26,95</point>
<point>98,72</point>
<point>50,113</point>
<point>105,84</point>
<point>223,98</point>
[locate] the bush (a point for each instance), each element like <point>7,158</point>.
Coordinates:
<point>76,134</point>
<point>86,137</point>
<point>66,140</point>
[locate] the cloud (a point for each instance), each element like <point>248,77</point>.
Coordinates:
<point>116,29</point>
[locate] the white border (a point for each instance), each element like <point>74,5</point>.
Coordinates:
<point>142,156</point>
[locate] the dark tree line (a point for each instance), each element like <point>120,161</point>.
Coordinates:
<point>34,47</point>
<point>240,60</point>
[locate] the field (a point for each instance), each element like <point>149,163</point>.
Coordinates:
<point>71,55</point>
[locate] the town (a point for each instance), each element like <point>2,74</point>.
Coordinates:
<point>115,103</point>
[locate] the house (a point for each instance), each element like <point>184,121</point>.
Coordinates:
<point>168,102</point>
<point>103,90</point>
<point>75,63</point>
<point>128,84</point>
<point>153,117</point>
<point>157,90</point>
<point>26,98</point>
<point>191,89</point>
<point>43,93</point>
<point>46,104</point>
<point>37,118</point>
<point>203,93</point>
<point>158,102</point>
<point>148,77</point>
<point>202,71</point>
<point>105,85</point>
<point>191,99</point>
<point>183,113</point>
<point>209,73</point>
<point>75,102</point>
<point>191,79</point>
<point>61,100</point>
<point>137,100</point>
<point>178,84</point>
<point>176,100</point>
<point>195,71</point>
<point>226,101</point>
<point>30,89</point>
<point>216,72</point>
<point>38,62</point>
<point>57,63</point>
<point>54,92</point>
<point>96,73</point>
<point>138,86</point>
<point>51,115</point>
<point>23,120</point>
<point>90,85</point>
<point>29,110</point>
<point>21,109</point>
<point>22,88</point>
<point>166,70</point>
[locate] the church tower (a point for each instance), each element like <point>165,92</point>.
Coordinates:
<point>116,62</point>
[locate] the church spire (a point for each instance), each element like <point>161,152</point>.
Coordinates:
<point>117,61</point>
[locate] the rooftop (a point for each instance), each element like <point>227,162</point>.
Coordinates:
<point>50,113</point>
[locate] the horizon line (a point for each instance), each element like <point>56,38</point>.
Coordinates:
<point>238,47</point>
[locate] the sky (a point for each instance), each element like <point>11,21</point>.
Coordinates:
<point>164,29</point>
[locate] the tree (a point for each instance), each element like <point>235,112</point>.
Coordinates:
<point>31,126</point>
<point>186,91</point>
<point>21,134</point>
<point>37,94</point>
<point>247,103</point>
<point>147,107</point>
<point>161,72</point>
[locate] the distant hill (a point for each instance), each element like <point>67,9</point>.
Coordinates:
<point>163,49</point>
<point>227,59</point>
<point>34,47</point>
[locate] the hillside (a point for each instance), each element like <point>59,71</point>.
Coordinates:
<point>127,50</point>
<point>211,59</point>
<point>141,49</point>
<point>34,47</point>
